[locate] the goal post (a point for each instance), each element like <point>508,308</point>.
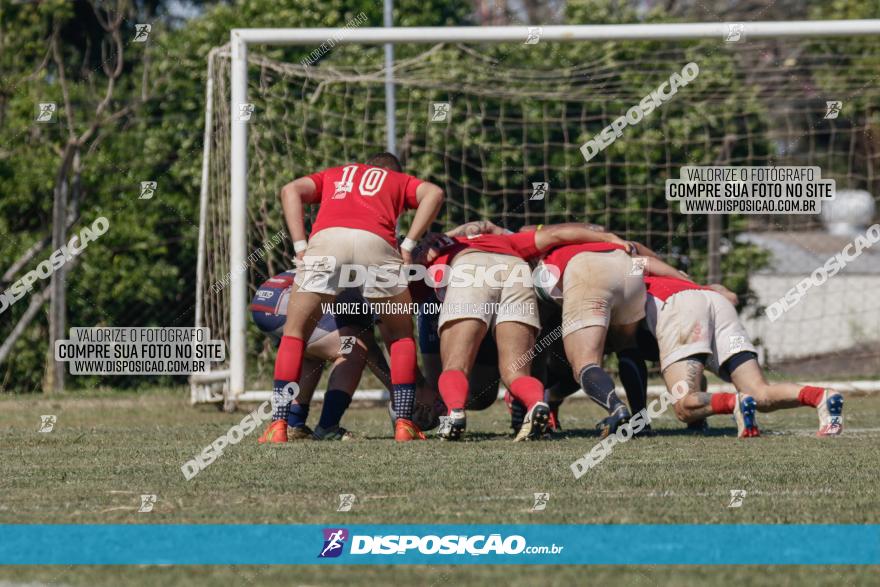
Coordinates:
<point>234,379</point>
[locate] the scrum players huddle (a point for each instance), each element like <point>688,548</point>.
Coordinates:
<point>537,310</point>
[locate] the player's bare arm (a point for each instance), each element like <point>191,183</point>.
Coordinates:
<point>430,199</point>
<point>534,227</point>
<point>293,195</point>
<point>728,295</point>
<point>642,250</point>
<point>558,235</point>
<point>658,267</point>
<point>475,227</point>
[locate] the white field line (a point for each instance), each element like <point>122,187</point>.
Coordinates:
<point>856,388</point>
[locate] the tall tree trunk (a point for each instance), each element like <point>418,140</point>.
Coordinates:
<point>54,381</point>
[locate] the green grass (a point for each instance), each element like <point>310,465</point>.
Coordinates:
<point>107,451</point>
<point>441,576</point>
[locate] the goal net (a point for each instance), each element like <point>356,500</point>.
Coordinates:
<point>501,128</point>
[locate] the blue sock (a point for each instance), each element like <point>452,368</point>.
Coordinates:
<point>335,404</point>
<point>633,374</point>
<point>282,396</point>
<point>298,415</point>
<point>404,400</point>
<point>599,387</point>
<point>517,414</point>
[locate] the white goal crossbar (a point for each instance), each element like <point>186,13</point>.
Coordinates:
<point>234,379</point>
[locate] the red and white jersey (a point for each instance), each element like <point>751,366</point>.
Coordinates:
<point>519,244</point>
<point>363,197</point>
<point>549,275</point>
<point>663,287</point>
<point>658,290</point>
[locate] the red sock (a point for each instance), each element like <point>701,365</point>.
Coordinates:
<point>723,403</point>
<point>288,361</point>
<point>810,396</point>
<point>403,361</point>
<point>454,389</point>
<point>528,390</point>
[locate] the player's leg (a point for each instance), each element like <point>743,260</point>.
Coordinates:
<point>427,406</point>
<point>634,376</point>
<point>483,384</point>
<point>362,325</point>
<point>516,342</point>
<point>298,429</point>
<point>463,322</point>
<point>315,283</point>
<point>484,377</point>
<point>600,289</point>
<point>387,287</point>
<point>748,377</point>
<point>549,366</point>
<point>269,311</point>
<point>517,324</point>
<point>459,343</point>
<point>398,326</point>
<point>303,313</point>
<point>736,354</point>
<point>375,359</point>
<point>687,330</point>
<point>584,349</point>
<point>698,405</point>
<point>349,361</point>
<point>631,368</point>
<point>731,349</point>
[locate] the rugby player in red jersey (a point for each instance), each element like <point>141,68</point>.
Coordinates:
<point>359,205</point>
<point>345,340</point>
<point>603,299</point>
<point>490,286</point>
<point>698,328</point>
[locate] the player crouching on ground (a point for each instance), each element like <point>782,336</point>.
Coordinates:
<point>346,340</point>
<point>355,226</point>
<point>603,297</point>
<point>698,328</point>
<point>500,296</point>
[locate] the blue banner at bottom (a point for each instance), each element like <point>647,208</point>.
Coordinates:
<point>367,544</point>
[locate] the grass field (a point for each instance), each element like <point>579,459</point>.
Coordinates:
<point>106,451</point>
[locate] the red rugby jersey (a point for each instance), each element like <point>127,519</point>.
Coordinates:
<point>363,197</point>
<point>663,287</point>
<point>560,256</point>
<point>519,244</point>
